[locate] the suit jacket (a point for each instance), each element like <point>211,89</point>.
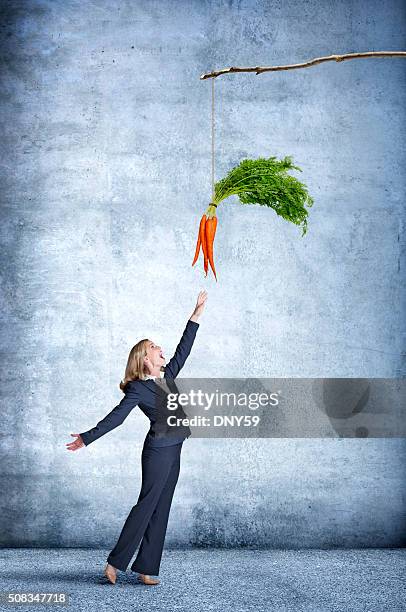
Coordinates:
<point>149,396</point>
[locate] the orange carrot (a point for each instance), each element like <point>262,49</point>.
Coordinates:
<point>202,234</point>
<point>198,245</point>
<point>211,226</point>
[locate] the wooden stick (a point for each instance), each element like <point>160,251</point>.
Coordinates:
<point>313,62</point>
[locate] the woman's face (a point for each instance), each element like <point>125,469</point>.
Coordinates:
<point>154,357</point>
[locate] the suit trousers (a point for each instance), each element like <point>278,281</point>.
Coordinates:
<point>148,519</point>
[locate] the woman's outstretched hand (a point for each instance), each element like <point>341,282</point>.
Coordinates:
<point>200,304</point>
<point>78,443</point>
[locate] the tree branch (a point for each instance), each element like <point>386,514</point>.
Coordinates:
<point>313,62</point>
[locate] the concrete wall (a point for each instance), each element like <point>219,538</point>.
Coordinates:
<point>106,171</point>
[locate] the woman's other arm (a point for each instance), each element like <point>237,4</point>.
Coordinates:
<point>112,420</point>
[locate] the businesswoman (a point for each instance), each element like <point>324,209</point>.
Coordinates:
<point>160,458</point>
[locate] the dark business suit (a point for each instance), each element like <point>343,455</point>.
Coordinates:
<point>160,462</point>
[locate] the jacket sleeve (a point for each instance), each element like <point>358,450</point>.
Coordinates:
<point>115,418</point>
<point>182,351</point>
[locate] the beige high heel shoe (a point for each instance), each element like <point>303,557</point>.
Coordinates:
<point>111,573</point>
<point>145,579</point>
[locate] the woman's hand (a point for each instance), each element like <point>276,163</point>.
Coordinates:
<point>78,443</point>
<point>201,301</point>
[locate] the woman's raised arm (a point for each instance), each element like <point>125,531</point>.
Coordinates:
<point>184,347</point>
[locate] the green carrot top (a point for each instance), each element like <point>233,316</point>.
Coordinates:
<point>266,182</point>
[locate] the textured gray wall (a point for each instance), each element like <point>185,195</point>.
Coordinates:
<point>105,173</point>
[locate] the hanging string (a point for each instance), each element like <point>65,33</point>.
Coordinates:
<point>212,138</point>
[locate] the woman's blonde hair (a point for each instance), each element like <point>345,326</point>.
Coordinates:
<point>135,369</point>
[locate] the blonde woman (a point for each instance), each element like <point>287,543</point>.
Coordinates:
<point>147,521</point>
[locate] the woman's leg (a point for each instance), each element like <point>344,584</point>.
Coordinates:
<point>156,466</point>
<point>149,555</point>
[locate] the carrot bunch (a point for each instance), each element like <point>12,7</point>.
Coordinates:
<point>205,239</point>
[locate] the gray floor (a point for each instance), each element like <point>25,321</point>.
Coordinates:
<point>205,580</point>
